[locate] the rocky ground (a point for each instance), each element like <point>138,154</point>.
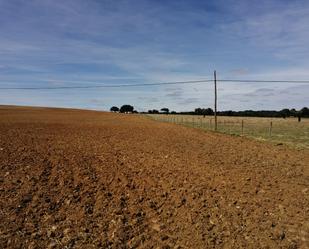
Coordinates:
<point>85,179</point>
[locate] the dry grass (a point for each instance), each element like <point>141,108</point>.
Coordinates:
<point>288,131</point>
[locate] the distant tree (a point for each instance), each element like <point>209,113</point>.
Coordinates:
<point>304,112</point>
<point>198,111</point>
<point>126,108</point>
<point>173,112</point>
<point>293,112</point>
<point>154,111</point>
<point>285,113</point>
<point>229,113</point>
<point>114,109</point>
<point>165,110</point>
<point>202,111</point>
<point>208,111</point>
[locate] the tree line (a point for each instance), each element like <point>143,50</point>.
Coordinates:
<point>284,113</point>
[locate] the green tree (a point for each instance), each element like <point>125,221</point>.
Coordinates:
<point>305,112</point>
<point>114,109</point>
<point>126,108</point>
<point>285,113</point>
<point>165,110</point>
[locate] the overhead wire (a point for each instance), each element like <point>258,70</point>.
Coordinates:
<point>105,86</point>
<point>155,84</point>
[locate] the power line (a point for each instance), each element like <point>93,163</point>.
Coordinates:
<point>105,86</point>
<point>265,81</point>
<point>154,84</point>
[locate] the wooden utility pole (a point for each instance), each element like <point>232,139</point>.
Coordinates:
<point>215,81</point>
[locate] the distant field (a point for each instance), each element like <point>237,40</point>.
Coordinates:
<point>288,131</point>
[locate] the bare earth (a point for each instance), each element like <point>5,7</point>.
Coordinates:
<point>85,179</point>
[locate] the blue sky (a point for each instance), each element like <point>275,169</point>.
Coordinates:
<point>76,43</point>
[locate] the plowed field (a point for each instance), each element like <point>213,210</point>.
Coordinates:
<point>85,179</point>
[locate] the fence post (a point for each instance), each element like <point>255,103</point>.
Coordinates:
<point>242,127</point>
<point>270,128</point>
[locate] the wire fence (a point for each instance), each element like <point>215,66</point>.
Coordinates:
<point>277,130</point>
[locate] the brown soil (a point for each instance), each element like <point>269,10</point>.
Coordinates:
<point>85,179</point>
